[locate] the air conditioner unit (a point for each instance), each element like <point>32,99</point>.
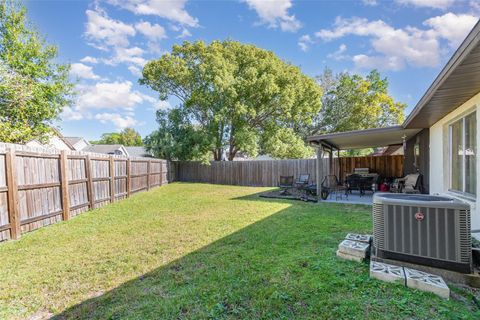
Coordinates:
<point>422,229</point>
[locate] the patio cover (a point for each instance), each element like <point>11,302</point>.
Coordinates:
<point>368,138</point>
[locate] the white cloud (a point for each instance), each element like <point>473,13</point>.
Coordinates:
<point>127,55</point>
<point>436,4</point>
<point>119,121</point>
<point>173,10</point>
<point>153,32</point>
<point>83,71</point>
<point>109,95</point>
<point>103,31</point>
<point>452,27</point>
<point>89,59</point>
<point>339,54</point>
<point>475,7</point>
<point>396,48</point>
<point>185,34</point>
<point>370,3</point>
<point>304,42</point>
<point>135,71</point>
<point>159,104</point>
<point>372,62</point>
<point>275,14</point>
<point>69,114</point>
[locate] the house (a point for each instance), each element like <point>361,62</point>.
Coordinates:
<point>113,149</point>
<point>138,152</point>
<point>440,135</point>
<point>56,141</point>
<point>78,143</point>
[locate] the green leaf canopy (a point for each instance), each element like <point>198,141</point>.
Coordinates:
<point>33,87</point>
<point>233,97</point>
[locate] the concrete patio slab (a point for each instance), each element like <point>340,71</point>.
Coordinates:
<point>355,198</point>
<point>346,256</point>
<point>427,282</point>
<point>387,272</point>
<point>366,238</point>
<point>354,248</point>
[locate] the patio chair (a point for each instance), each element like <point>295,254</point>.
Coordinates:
<point>286,183</point>
<point>411,183</point>
<point>331,185</point>
<point>302,181</point>
<point>301,184</point>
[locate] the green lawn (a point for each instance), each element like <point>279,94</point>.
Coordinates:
<point>196,251</point>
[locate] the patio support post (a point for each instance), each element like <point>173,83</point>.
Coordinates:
<point>319,172</point>
<point>330,162</point>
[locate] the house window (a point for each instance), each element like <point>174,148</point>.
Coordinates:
<point>463,149</point>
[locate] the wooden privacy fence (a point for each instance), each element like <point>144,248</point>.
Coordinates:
<point>266,173</point>
<point>40,187</point>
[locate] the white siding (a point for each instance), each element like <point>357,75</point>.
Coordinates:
<point>54,142</point>
<point>80,145</point>
<point>439,156</point>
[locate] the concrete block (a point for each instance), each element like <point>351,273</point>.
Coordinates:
<point>387,272</point>
<point>354,248</point>
<point>346,256</point>
<point>427,282</point>
<point>359,237</point>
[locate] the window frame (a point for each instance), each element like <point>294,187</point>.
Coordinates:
<point>461,118</point>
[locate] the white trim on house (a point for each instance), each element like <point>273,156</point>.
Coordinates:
<point>440,157</point>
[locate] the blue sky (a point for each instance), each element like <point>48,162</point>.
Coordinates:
<point>107,42</point>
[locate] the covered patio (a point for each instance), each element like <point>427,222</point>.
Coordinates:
<point>328,147</point>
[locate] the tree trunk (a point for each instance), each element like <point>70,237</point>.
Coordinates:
<point>232,153</point>
<point>217,154</point>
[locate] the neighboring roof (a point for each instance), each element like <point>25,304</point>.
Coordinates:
<point>458,81</point>
<point>73,140</point>
<point>137,152</point>
<point>388,151</point>
<point>367,138</point>
<point>103,148</point>
<point>61,137</point>
<point>393,150</point>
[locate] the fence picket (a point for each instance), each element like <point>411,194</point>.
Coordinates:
<point>13,214</point>
<point>64,186</point>
<point>266,173</point>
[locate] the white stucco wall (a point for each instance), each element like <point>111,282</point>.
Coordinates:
<point>439,159</point>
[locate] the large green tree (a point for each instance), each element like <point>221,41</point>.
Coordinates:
<point>233,97</point>
<point>34,88</point>
<point>127,137</point>
<point>176,138</point>
<point>353,102</point>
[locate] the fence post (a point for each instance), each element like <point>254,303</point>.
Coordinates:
<point>161,172</point>
<point>148,175</point>
<point>88,172</point>
<point>64,186</point>
<point>112,179</point>
<point>128,178</point>
<point>13,214</point>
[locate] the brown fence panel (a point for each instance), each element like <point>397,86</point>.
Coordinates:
<point>4,220</point>
<point>40,186</point>
<point>266,173</point>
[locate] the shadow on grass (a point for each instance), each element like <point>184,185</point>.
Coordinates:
<point>283,266</point>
